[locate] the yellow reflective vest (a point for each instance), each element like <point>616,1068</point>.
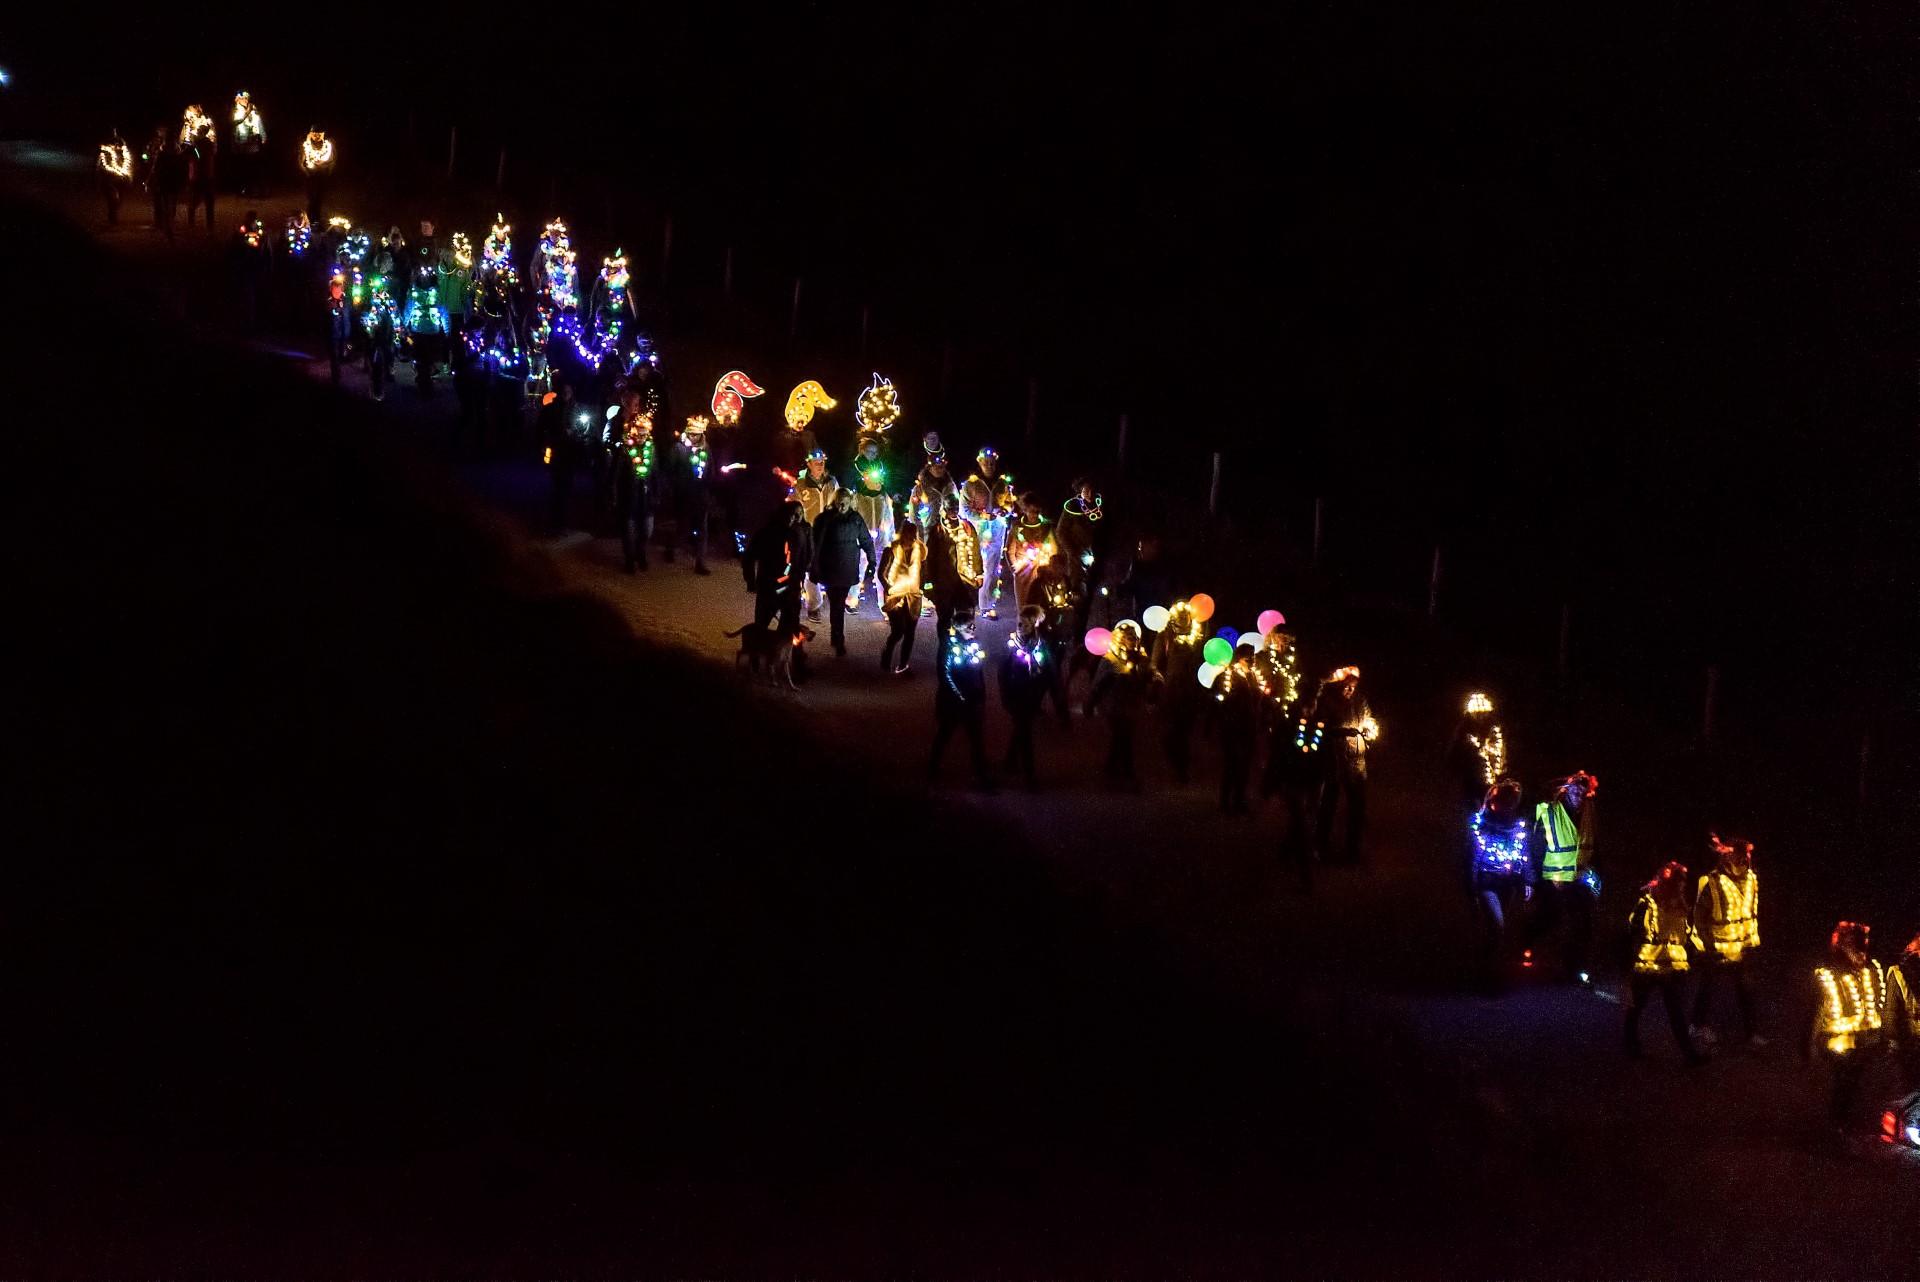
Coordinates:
<point>1851,1003</point>
<point>1726,913</point>
<point>1662,938</point>
<point>1561,854</point>
<point>1903,1002</point>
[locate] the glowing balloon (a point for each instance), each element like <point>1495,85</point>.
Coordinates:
<point>1123,623</point>
<point>1208,672</point>
<point>1268,621</point>
<point>1229,635</point>
<point>1247,639</point>
<point>1218,652</point>
<point>1155,617</point>
<point>1097,641</point>
<point>1202,606</point>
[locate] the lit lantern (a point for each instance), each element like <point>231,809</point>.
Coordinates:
<point>803,400</point>
<point>728,394</point>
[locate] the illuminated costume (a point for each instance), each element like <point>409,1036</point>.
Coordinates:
<point>1569,886</point>
<point>317,155</point>
<point>1276,670</point>
<point>903,568</point>
<point>1239,699</point>
<point>1500,872</point>
<point>200,142</point>
<point>1850,999</point>
<point>814,489</point>
<point>611,315</point>
<point>114,165</point>
<point>429,325</point>
<point>1477,756</point>
<point>1080,533</point>
<point>553,278</point>
<point>1030,545</point>
<point>1176,661</point>
<point>380,323</point>
<point>249,138</point>
<point>1726,921</point>
<point>1059,594</point>
<point>1902,1018</point>
<point>693,463</point>
<point>1122,686</point>
<point>843,545</point>
<point>496,305</point>
<point>1658,928</point>
<point>953,566</point>
<point>1026,675</point>
<point>960,702</point>
<point>875,413</point>
<point>634,477</point>
<point>933,484</point>
<point>1350,730</point>
<point>455,267</point>
<point>987,500</point>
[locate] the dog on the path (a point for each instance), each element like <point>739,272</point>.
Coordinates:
<point>770,649</point>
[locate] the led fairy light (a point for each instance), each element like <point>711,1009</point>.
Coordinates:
<point>962,652</point>
<point>729,394</point>
<point>316,152</point>
<point>253,232</point>
<point>116,159</point>
<point>639,444</point>
<point>462,251</point>
<point>340,223</point>
<point>1033,658</point>
<point>694,437</point>
<point>878,407</point>
<point>496,253</point>
<point>873,472</point>
<point>1497,852</point>
<point>613,270</point>
<point>299,234</point>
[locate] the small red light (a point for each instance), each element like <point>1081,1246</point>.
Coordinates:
<point>1889,1127</point>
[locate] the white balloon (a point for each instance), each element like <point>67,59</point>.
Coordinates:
<point>1248,640</point>
<point>1208,671</point>
<point>1155,617</point>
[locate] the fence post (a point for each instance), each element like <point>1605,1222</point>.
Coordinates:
<point>453,141</point>
<point>793,318</point>
<point>1433,585</point>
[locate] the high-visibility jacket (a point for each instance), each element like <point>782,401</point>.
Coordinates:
<point>1850,1008</point>
<point>1903,1002</point>
<point>1662,938</point>
<point>1726,913</point>
<point>1561,854</point>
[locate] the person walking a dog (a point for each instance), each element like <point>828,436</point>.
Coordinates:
<point>777,560</point>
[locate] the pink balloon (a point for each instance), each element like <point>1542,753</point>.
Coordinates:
<point>1097,641</point>
<point>1268,621</point>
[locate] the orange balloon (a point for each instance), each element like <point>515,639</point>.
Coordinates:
<point>1202,606</point>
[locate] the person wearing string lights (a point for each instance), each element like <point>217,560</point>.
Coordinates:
<point>250,260</point>
<point>1902,1018</point>
<point>953,566</point>
<point>903,568</point>
<point>1726,925</point>
<point>249,136</point>
<point>1238,697</point>
<point>200,142</point>
<point>1176,662</point>
<point>1059,591</point>
<point>1027,672</point>
<point>1081,531</point>
<point>1351,731</point>
<point>871,497</point>
<point>1849,1015</point>
<point>1659,930</point>
<point>114,165</point>
<point>1121,687</point>
<point>691,488</point>
<point>1500,875</point>
<point>317,156</point>
<point>1030,545</point>
<point>960,701</point>
<point>634,477</point>
<point>815,489</point>
<point>933,484</point>
<point>987,501</point>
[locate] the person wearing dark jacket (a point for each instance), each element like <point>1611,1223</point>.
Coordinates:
<point>1026,675</point>
<point>953,565</point>
<point>1350,730</point>
<point>1177,656</point>
<point>339,326</point>
<point>166,174</point>
<point>840,539</point>
<point>1239,699</point>
<point>960,702</point>
<point>560,449</point>
<point>778,558</point>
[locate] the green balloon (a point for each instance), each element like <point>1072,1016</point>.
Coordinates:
<point>1218,652</point>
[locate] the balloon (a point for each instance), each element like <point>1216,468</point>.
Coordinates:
<point>1123,623</point>
<point>1248,640</point>
<point>1207,673</point>
<point>1218,652</point>
<point>1097,641</point>
<point>1155,617</point>
<point>1202,606</point>
<point>1269,620</point>
<point>1228,635</point>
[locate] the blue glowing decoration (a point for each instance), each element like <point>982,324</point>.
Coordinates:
<point>1501,852</point>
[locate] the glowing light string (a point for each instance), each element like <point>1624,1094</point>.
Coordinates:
<point>803,401</point>
<point>116,159</point>
<point>727,396</point>
<point>316,152</point>
<point>878,407</point>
